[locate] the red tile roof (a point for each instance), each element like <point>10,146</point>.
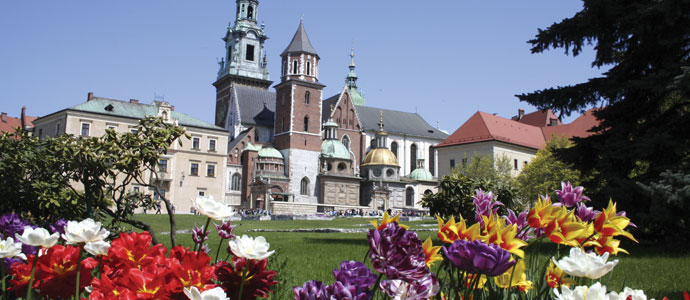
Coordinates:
<point>487,127</point>
<point>8,123</point>
<point>538,118</point>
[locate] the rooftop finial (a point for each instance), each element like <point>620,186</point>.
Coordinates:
<point>380,120</point>
<point>332,107</point>
<point>352,57</point>
<point>301,18</point>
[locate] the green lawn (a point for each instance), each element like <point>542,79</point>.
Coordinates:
<point>658,271</point>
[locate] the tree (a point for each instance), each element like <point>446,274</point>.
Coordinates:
<point>544,174</point>
<point>485,167</point>
<point>74,178</point>
<point>645,126</point>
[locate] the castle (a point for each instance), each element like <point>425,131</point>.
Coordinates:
<point>292,150</point>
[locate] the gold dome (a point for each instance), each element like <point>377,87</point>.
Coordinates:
<point>380,156</point>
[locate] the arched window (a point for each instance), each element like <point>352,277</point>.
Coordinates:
<point>346,142</point>
<point>413,157</point>
<point>236,180</point>
<point>306,123</point>
<point>394,148</point>
<point>306,97</point>
<point>432,160</point>
<point>165,115</point>
<point>304,186</point>
<point>285,68</point>
<point>250,12</point>
<point>294,66</point>
<point>409,197</point>
<point>308,68</point>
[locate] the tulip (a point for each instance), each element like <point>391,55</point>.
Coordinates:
<point>569,195</point>
<point>581,264</point>
<point>424,288</point>
<point>515,277</point>
<point>387,219</point>
<point>478,258</point>
<point>627,293</point>
<point>212,294</point>
<point>505,237</point>
<point>594,292</point>
<point>37,237</point>
<point>84,232</point>
<point>250,248</point>
<point>97,248</point>
<point>9,248</point>
<point>213,209</point>
<point>431,252</point>
<point>484,205</point>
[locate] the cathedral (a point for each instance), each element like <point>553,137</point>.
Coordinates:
<point>294,150</point>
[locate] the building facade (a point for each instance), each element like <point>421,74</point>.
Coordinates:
<point>196,167</point>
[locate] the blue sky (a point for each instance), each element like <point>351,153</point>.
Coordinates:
<point>442,59</point>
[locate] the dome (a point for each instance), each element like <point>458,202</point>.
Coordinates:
<point>334,149</point>
<point>380,156</point>
<point>270,152</point>
<point>421,174</point>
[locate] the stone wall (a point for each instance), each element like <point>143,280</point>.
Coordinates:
<point>291,208</point>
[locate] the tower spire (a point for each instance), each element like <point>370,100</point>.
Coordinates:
<point>351,81</point>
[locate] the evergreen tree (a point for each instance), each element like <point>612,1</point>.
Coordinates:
<point>643,97</point>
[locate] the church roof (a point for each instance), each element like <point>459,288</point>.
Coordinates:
<point>257,106</point>
<point>300,42</point>
<point>334,149</point>
<point>398,122</point>
<point>578,128</point>
<point>137,111</point>
<point>538,118</point>
<point>421,174</point>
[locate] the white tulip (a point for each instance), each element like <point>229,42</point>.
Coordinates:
<point>213,209</point>
<point>594,292</point>
<point>37,237</point>
<point>97,248</point>
<point>581,264</point>
<point>84,232</point>
<point>9,248</point>
<point>250,248</point>
<point>627,292</point>
<point>212,294</point>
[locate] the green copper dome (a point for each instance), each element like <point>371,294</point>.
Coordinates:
<point>357,99</point>
<point>334,149</point>
<point>330,123</point>
<point>421,174</point>
<point>251,147</point>
<point>270,152</point>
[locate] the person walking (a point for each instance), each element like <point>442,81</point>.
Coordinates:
<point>158,208</point>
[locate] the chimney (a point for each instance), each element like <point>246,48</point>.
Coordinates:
<point>553,122</point>
<point>89,97</point>
<point>22,118</point>
<point>521,113</point>
<point>3,117</point>
<point>135,101</point>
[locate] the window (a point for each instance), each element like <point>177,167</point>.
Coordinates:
<point>134,190</point>
<point>40,133</point>
<point>163,165</point>
<point>112,127</point>
<point>394,148</point>
<point>524,164</point>
<point>165,115</point>
<point>282,124</point>
<point>304,186</point>
<point>195,143</point>
<point>158,194</point>
<point>256,136</point>
<point>194,169</point>
<point>306,97</point>
<point>236,181</point>
<point>201,193</point>
<point>452,163</point>
<point>346,142</point>
<point>134,131</point>
<point>308,68</point>
<point>284,72</point>
<point>250,13</point>
<point>282,100</point>
<point>211,170</point>
<point>211,145</point>
<point>432,160</point>
<point>306,123</point>
<point>390,172</point>
<point>250,53</point>
<point>57,128</point>
<point>409,197</point>
<point>515,164</point>
<point>85,128</point>
<point>413,157</point>
<point>464,161</point>
<point>294,67</point>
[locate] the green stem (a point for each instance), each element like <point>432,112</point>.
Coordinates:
<point>2,273</point>
<point>218,251</point>
<point>244,276</point>
<point>31,279</point>
<point>364,260</point>
<point>76,289</point>
<point>375,288</point>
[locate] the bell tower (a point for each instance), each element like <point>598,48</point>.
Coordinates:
<point>244,61</point>
<point>298,116</point>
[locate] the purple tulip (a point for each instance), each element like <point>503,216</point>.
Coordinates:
<point>424,288</point>
<point>11,224</point>
<point>58,227</point>
<point>478,258</point>
<point>338,290</point>
<point>521,222</point>
<point>569,195</point>
<point>397,253</point>
<point>354,273</point>
<point>586,214</point>
<point>225,230</point>
<point>311,290</point>
<point>484,205</point>
<point>198,235</point>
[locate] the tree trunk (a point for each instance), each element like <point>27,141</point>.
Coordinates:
<point>171,218</point>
